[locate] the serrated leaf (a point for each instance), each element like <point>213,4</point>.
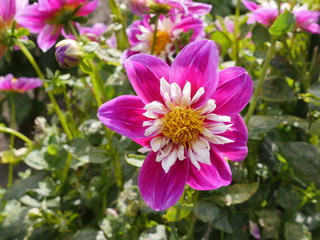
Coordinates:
<point>178,212</point>
<point>283,24</point>
<point>296,231</point>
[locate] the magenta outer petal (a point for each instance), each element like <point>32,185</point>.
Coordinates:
<point>250,5</point>
<point>32,18</point>
<point>162,190</point>
<point>210,177</point>
<point>190,22</point>
<point>198,64</point>
<point>145,142</point>
<point>144,72</point>
<point>237,150</point>
<point>124,116</point>
<point>198,8</point>
<point>88,8</point>
<point>7,9</point>
<point>234,91</point>
<point>48,36</point>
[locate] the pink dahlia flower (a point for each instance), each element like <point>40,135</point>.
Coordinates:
<point>141,7</point>
<point>186,116</point>
<point>267,12</point>
<point>21,85</point>
<point>8,10</point>
<point>48,17</point>
<point>141,33</point>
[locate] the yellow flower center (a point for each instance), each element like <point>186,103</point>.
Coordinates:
<point>13,80</point>
<point>182,125</point>
<point>163,38</point>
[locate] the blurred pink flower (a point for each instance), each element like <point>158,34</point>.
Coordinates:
<point>229,24</point>
<point>186,116</point>
<point>140,33</point>
<point>48,17</point>
<point>141,7</point>
<point>8,11</point>
<point>21,85</point>
<point>267,12</point>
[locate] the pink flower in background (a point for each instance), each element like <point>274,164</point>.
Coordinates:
<point>229,25</point>
<point>141,32</point>
<point>22,84</point>
<point>141,7</point>
<point>186,116</point>
<point>8,10</point>
<point>267,12</point>
<point>48,17</point>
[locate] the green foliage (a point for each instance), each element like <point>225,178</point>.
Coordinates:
<point>283,24</point>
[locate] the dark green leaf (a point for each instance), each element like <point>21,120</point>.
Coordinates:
<point>277,90</point>
<point>270,221</point>
<point>283,24</point>
<point>260,35</point>
<point>281,63</point>
<point>296,231</point>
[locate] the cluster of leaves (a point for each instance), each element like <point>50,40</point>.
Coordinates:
<point>275,191</point>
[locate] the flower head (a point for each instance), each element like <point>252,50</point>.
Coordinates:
<point>8,11</point>
<point>68,53</point>
<point>48,17</point>
<point>141,33</point>
<point>267,12</point>
<point>142,7</point>
<point>186,116</point>
<point>21,85</point>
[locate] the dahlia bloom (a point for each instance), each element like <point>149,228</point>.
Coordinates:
<point>267,12</point>
<point>141,32</point>
<point>8,11</point>
<point>186,116</point>
<point>48,17</point>
<point>21,85</point>
<point>141,7</point>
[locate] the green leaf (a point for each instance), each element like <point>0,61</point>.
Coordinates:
<point>223,40</point>
<point>88,234</point>
<point>283,24</point>
<point>304,158</point>
<point>235,194</point>
<point>282,64</point>
<point>135,160</point>
<point>157,232</point>
<point>178,212</point>
<point>270,221</point>
<point>277,90</point>
<point>296,231</point>
<point>209,212</point>
<point>260,35</point>
<point>36,159</point>
<point>315,127</point>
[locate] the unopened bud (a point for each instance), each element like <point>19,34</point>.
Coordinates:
<point>68,53</point>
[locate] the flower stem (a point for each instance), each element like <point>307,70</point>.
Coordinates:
<point>122,38</point>
<point>154,41</point>
<point>68,104</point>
<point>13,126</point>
<point>50,95</point>
<point>236,34</point>
<point>261,80</point>
<point>17,134</point>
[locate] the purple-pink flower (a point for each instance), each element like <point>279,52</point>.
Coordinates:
<point>48,17</point>
<point>8,10</point>
<point>186,116</point>
<point>141,33</point>
<point>21,85</point>
<point>267,12</point>
<point>141,7</point>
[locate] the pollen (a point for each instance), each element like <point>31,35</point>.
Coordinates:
<point>182,125</point>
<point>163,38</point>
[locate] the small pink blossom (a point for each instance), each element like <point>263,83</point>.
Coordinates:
<point>8,11</point>
<point>21,85</point>
<point>267,12</point>
<point>48,17</point>
<point>141,33</point>
<point>186,116</point>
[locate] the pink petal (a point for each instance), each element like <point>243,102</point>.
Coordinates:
<point>124,116</point>
<point>144,72</point>
<point>162,190</point>
<point>32,18</point>
<point>210,177</point>
<point>7,9</point>
<point>250,5</point>
<point>198,8</point>
<point>48,36</point>
<point>190,22</point>
<point>145,142</point>
<point>234,91</point>
<point>198,64</point>
<point>88,8</point>
<point>237,150</point>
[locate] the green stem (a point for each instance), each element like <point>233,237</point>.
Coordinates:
<point>122,38</point>
<point>13,126</point>
<point>261,80</point>
<point>236,34</point>
<point>50,95</point>
<point>154,40</point>
<point>73,30</point>
<point>17,134</point>
<point>68,104</point>
<point>65,173</point>
<point>174,232</point>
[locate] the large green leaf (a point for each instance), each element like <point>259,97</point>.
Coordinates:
<point>277,90</point>
<point>296,231</point>
<point>270,221</point>
<point>260,34</point>
<point>283,24</point>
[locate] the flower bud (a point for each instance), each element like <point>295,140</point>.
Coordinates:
<point>68,53</point>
